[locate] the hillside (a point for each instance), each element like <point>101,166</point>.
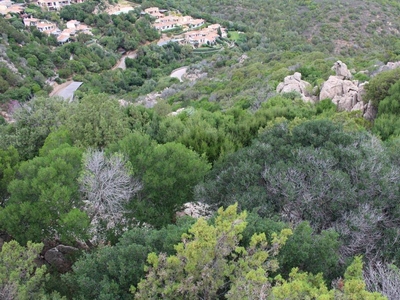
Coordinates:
<point>269,168</point>
<point>341,27</point>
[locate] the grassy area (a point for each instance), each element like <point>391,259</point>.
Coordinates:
<point>234,35</point>
<point>124,3</point>
<point>206,50</point>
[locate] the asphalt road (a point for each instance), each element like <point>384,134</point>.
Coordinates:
<point>68,92</point>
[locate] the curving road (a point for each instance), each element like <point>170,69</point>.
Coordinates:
<point>178,73</point>
<point>121,63</point>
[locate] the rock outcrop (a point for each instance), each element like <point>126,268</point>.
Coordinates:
<point>149,100</point>
<point>341,70</point>
<point>387,67</point>
<point>347,94</point>
<point>57,257</point>
<point>195,210</point>
<point>370,111</point>
<point>293,83</point>
<point>243,58</point>
<point>194,75</point>
<point>344,93</point>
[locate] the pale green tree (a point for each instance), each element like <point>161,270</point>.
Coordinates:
<point>308,286</point>
<point>20,277</point>
<point>209,263</point>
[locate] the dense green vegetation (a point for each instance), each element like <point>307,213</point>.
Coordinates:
<point>301,200</point>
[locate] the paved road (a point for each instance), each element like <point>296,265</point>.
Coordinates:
<point>178,73</point>
<point>121,64</point>
<point>68,92</point>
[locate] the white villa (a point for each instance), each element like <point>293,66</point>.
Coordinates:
<point>164,22</point>
<point>73,27</point>
<point>55,5</point>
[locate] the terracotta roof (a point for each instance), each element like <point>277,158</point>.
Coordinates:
<point>63,37</point>
<point>197,21</point>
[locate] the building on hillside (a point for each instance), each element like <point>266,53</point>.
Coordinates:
<point>46,27</point>
<point>216,28</point>
<point>200,37</point>
<point>168,19</point>
<point>170,22</point>
<point>7,7</point>
<point>83,28</point>
<point>154,12</point>
<point>30,22</point>
<point>73,24</point>
<point>195,23</point>
<point>165,26</point>
<point>63,38</point>
<point>55,5</point>
<point>75,27</point>
<point>69,31</point>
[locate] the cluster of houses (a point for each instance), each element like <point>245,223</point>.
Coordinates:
<point>55,5</point>
<point>73,27</point>
<point>164,22</point>
<point>8,7</point>
<point>206,35</point>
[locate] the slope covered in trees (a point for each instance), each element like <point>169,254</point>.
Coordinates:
<point>301,199</point>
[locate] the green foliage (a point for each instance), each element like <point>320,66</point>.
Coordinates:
<point>96,121</point>
<point>209,262</point>
<point>308,286</point>
<point>386,125</point>
<point>379,86</point>
<point>168,173</point>
<point>315,171</point>
<point>20,277</point>
<point>33,123</point>
<point>109,272</point>
<point>311,252</point>
<point>9,160</point>
<point>204,132</point>
<point>325,107</point>
<point>42,197</point>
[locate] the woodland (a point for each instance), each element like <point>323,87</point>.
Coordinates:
<point>300,199</point>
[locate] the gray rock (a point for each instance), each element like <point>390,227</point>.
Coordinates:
<point>341,70</point>
<point>346,94</point>
<point>293,83</point>
<point>389,66</point>
<point>243,58</point>
<point>370,112</point>
<point>149,100</point>
<point>66,249</point>
<point>359,106</point>
<point>195,210</point>
<point>336,86</point>
<point>56,257</point>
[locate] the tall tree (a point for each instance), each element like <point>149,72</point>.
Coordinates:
<point>108,272</point>
<point>20,277</point>
<point>168,173</point>
<point>210,264</point>
<point>45,197</point>
<point>9,159</point>
<point>96,121</point>
<point>34,121</point>
<point>308,286</point>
